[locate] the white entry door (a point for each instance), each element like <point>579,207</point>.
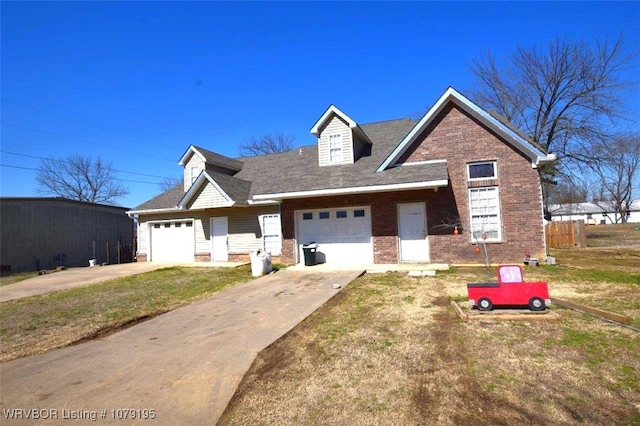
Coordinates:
<point>219,236</point>
<point>412,231</point>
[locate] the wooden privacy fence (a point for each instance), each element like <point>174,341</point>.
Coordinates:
<point>566,234</point>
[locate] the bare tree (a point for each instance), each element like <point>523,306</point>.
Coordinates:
<point>617,173</point>
<point>564,96</point>
<point>79,178</point>
<point>270,143</point>
<point>169,183</point>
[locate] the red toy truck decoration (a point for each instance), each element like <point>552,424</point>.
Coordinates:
<point>510,290</point>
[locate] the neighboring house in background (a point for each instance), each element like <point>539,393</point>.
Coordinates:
<point>600,213</point>
<point>42,233</point>
<point>386,192</point>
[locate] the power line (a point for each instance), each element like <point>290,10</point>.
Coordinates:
<point>85,123</point>
<point>86,141</point>
<point>116,170</point>
<point>11,166</point>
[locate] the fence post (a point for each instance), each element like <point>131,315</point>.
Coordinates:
<point>118,252</point>
<point>107,252</point>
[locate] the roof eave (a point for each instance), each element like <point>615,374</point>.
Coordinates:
<point>439,183</point>
<point>315,130</point>
<point>204,176</point>
<point>451,95</point>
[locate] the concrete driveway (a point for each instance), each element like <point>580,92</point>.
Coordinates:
<point>185,365</point>
<point>76,277</point>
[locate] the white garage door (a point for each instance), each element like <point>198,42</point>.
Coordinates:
<point>343,235</point>
<point>172,241</point>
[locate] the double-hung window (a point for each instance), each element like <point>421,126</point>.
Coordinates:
<point>195,172</point>
<point>484,209</point>
<point>335,148</point>
<point>271,237</point>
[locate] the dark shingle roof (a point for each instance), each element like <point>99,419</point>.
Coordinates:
<point>298,170</point>
<point>234,187</point>
<point>216,159</point>
<point>166,200</point>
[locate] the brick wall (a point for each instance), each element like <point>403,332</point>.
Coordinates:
<point>460,139</point>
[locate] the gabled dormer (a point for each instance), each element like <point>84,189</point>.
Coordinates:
<point>340,139</point>
<point>195,160</point>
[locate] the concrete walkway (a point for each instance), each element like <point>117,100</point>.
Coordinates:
<point>185,365</point>
<point>77,277</point>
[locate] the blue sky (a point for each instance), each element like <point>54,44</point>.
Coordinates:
<point>137,82</point>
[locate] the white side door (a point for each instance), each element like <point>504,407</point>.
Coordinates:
<point>219,239</point>
<point>412,232</point>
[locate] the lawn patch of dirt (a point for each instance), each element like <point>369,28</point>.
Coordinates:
<point>390,350</point>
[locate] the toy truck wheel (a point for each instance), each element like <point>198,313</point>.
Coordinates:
<point>484,304</point>
<point>536,304</point>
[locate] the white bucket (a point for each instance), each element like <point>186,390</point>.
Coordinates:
<point>92,262</point>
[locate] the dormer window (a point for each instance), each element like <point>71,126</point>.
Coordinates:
<point>335,148</point>
<point>195,172</point>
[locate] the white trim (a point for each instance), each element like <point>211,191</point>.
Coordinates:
<point>261,220</point>
<point>401,258</point>
<point>297,223</point>
<point>211,237</point>
<point>185,157</point>
<point>419,163</point>
<point>352,190</point>
<point>151,211</point>
<point>196,186</point>
<point>475,163</point>
<point>315,130</point>
<point>150,224</point>
<point>498,215</point>
<point>536,155</point>
<point>261,203</point>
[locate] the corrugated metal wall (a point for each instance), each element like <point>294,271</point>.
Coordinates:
<point>34,232</point>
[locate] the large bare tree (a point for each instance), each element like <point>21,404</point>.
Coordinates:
<point>565,96</point>
<point>270,143</point>
<point>169,183</point>
<point>80,178</point>
<point>618,172</point>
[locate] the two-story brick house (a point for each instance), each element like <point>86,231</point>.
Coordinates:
<point>386,192</point>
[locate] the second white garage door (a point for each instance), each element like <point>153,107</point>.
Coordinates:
<point>172,241</point>
<point>343,235</point>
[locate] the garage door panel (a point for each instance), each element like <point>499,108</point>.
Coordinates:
<point>172,242</point>
<point>340,239</point>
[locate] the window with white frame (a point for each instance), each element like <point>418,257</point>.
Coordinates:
<point>195,172</point>
<point>484,210</point>
<point>335,148</point>
<point>482,170</point>
<point>271,235</point>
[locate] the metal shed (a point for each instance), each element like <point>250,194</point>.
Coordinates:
<point>43,233</point>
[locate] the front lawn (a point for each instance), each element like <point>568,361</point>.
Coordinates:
<point>390,350</point>
<point>49,321</point>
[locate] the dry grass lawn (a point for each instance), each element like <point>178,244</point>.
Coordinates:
<point>41,323</point>
<point>389,350</point>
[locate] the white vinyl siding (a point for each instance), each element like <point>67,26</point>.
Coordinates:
<point>484,211</point>
<point>244,225</point>
<point>271,234</point>
<point>207,197</point>
<point>191,171</point>
<point>335,126</point>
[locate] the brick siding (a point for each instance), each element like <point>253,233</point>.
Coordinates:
<point>460,139</point>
